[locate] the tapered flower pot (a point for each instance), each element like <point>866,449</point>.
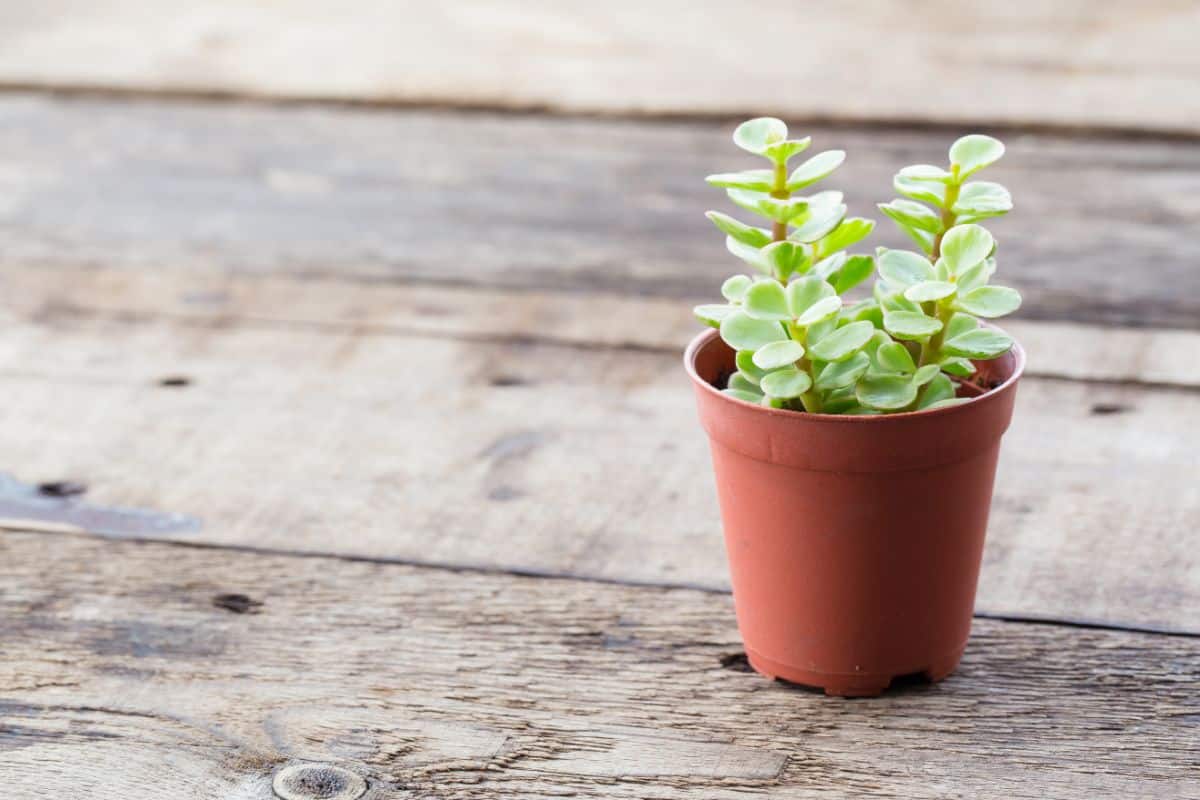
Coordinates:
<point>854,542</point>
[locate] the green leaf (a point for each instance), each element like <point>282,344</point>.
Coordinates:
<point>843,373</point>
<point>843,342</point>
<point>820,329</point>
<point>856,270</point>
<point>990,302</point>
<point>960,323</point>
<point>886,392</point>
<point>774,208</point>
<point>904,268</point>
<point>817,221</point>
<point>778,354</point>
<point>786,258</point>
<point>786,383</point>
<point>868,310</point>
<point>713,314</point>
<point>814,169</point>
<point>913,215</point>
<point>734,289</point>
<point>745,364</point>
<point>924,239</point>
<point>925,191</point>
<point>965,246</point>
<point>929,291</point>
<point>825,307</point>
<point>926,373</point>
<point>766,300</point>
<point>755,237</point>
<point>758,180</point>
<point>756,135</point>
<point>973,152</point>
<point>742,332</point>
<point>894,357</point>
<point>748,253</point>
<point>959,367</point>
<point>976,276</point>
<point>803,292</point>
<point>781,152</point>
<point>829,265</point>
<point>953,401</point>
<point>979,343</point>
<point>848,233</point>
<point>910,325</point>
<point>926,172</point>
<point>982,199</point>
<point>746,397</point>
<point>743,383</point>
<point>940,388</point>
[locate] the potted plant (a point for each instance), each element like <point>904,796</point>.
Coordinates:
<point>855,443</point>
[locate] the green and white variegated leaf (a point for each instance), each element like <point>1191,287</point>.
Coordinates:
<point>822,309</point>
<point>976,276</point>
<point>964,246</point>
<point>744,384</point>
<point>748,253</point>
<point>757,180</point>
<point>743,332</point>
<point>817,222</point>
<point>734,289</point>
<point>815,169</point>
<point>953,401</point>
<point>829,265</point>
<point>713,314</point>
<point>786,383</point>
<point>894,357</point>
<point>910,325</point>
<point>843,342</point>
<point>893,301</point>
<point>903,268</point>
<point>980,200</point>
<point>755,237</point>
<point>940,388</point>
<point>786,258</point>
<point>745,364</point>
<point>849,233</point>
<point>778,354</point>
<point>973,152</point>
<point>819,330</point>
<point>867,310</point>
<point>960,323</point>
<point>929,291</point>
<point>926,172</point>
<point>840,374</point>
<point>856,270</point>
<point>925,374</point>
<point>746,397</point>
<point>781,152</point>
<point>990,302</point>
<point>906,213</point>
<point>959,367</point>
<point>773,208</point>
<point>926,191</point>
<point>886,392</point>
<point>767,300</point>
<point>756,135</point>
<point>804,292</point>
<point>980,343</point>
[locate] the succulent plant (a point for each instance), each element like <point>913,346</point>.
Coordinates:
<point>799,345</point>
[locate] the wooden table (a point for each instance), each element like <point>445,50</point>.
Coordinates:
<point>391,466</point>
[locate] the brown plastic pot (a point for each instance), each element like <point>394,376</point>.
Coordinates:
<point>854,542</point>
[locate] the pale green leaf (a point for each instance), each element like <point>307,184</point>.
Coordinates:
<point>982,199</point>
<point>781,152</point>
<point>734,289</point>
<point>755,237</point>
<point>842,343</point>
<point>926,172</point>
<point>990,302</point>
<point>745,364</point>
<point>849,233</point>
<point>960,323</point>
<point>774,208</point>
<point>929,291</point>
<point>973,152</point>
<point>742,332</point>
<point>746,397</point>
<point>979,343</point>
<point>803,292</point>
<point>778,354</point>
<point>904,268</point>
<point>959,367</point>
<point>976,276</point>
<point>964,246</point>
<point>953,401</point>
<point>856,270</point>
<point>926,373</point>
<point>766,300</point>
<point>940,388</point>
<point>829,265</point>
<point>843,373</point>
<point>825,307</point>
<point>819,330</point>
<point>713,314</point>
<point>814,169</point>
<point>756,135</point>
<point>786,258</point>
<point>886,392</point>
<point>913,215</point>
<point>743,383</point>
<point>910,325</point>
<point>758,180</point>
<point>894,357</point>
<point>925,191</point>
<point>817,222</point>
<point>786,383</point>
<point>748,253</point>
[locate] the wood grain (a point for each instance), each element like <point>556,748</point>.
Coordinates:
<point>1103,230</point>
<point>122,680</point>
<point>1100,63</point>
<point>544,458</point>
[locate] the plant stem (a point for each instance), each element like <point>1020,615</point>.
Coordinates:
<point>931,350</point>
<point>811,400</point>
<point>779,191</point>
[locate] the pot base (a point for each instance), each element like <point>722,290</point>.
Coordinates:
<point>858,684</point>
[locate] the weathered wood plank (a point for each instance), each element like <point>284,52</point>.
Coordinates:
<point>544,458</point>
<point>1100,63</point>
<point>537,202</point>
<point>124,680</point>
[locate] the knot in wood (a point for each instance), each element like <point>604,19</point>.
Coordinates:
<point>317,782</point>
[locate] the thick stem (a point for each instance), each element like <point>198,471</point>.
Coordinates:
<point>779,230</point>
<point>811,399</point>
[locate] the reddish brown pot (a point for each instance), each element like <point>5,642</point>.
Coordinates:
<point>854,542</point>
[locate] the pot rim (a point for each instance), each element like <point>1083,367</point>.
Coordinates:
<point>704,338</point>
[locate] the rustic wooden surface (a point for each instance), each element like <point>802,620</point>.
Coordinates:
<point>435,508</point>
<point>440,684</point>
<point>1101,62</point>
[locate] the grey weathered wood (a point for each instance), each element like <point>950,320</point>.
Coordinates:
<point>1103,231</point>
<point>1104,62</point>
<point>122,680</point>
<point>515,454</point>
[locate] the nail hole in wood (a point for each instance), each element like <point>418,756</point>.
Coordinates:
<point>1110,408</point>
<point>507,381</point>
<point>175,381</point>
<point>61,488</point>
<point>317,782</point>
<point>237,603</point>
